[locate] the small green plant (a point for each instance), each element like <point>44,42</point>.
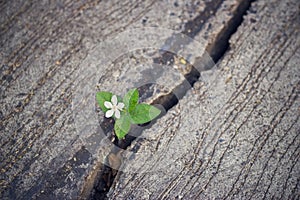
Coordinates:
<point>126,111</point>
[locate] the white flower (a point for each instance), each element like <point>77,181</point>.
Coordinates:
<point>114,107</point>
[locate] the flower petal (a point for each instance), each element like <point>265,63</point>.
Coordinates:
<point>114,100</point>
<point>109,113</point>
<point>120,106</point>
<point>117,114</point>
<point>107,104</point>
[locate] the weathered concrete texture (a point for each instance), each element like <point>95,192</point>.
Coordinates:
<point>239,138</point>
<point>42,46</point>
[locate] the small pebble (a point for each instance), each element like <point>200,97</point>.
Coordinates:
<point>183,61</point>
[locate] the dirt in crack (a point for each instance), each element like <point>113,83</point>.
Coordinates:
<point>106,175</point>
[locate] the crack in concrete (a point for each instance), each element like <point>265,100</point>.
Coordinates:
<point>107,176</point>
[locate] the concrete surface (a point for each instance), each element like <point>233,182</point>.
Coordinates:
<point>238,139</point>
<point>222,137</point>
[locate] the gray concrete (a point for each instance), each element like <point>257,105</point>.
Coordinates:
<point>246,108</point>
<point>238,139</point>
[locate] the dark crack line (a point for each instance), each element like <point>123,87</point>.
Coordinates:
<point>192,28</point>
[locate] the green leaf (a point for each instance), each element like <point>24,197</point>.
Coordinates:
<point>144,113</point>
<point>122,126</point>
<point>101,97</point>
<point>131,99</point>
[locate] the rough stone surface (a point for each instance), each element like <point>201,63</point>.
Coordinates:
<point>43,49</point>
<point>236,137</point>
